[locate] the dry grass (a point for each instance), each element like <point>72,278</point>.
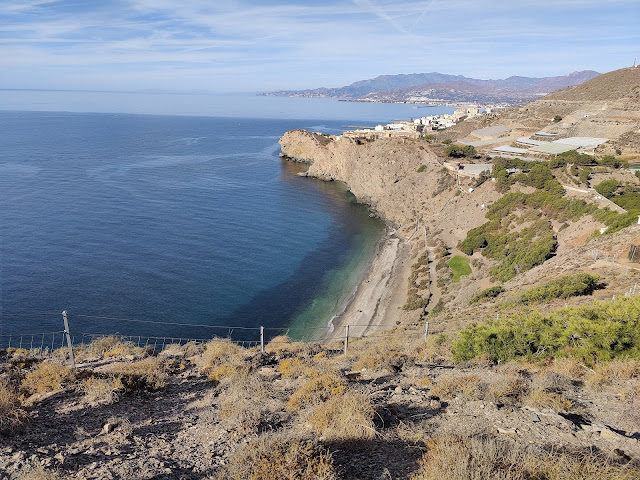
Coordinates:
<point>106,347</point>
<point>12,416</point>
<point>248,406</point>
<point>481,458</point>
<point>47,377</point>
<point>344,417</point>
<point>277,458</point>
<point>539,398</point>
<point>101,391</point>
<point>569,367</point>
<point>506,389</point>
<point>149,373</point>
<point>37,473</point>
<point>317,389</point>
<point>376,356</point>
<point>221,359</point>
<point>283,345</point>
<point>614,371</point>
<point>450,386</point>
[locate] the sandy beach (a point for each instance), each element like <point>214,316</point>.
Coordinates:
<point>381,293</point>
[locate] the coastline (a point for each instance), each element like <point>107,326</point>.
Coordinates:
<point>381,292</point>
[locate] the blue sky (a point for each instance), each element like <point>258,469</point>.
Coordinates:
<point>245,45</point>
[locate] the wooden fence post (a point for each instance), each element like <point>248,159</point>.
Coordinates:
<point>66,331</point>
<point>262,339</point>
<point>426,330</point>
<point>346,338</point>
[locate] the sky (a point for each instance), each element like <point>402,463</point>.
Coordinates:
<point>250,45</point>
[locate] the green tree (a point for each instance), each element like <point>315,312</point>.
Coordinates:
<point>607,188</point>
<point>457,150</point>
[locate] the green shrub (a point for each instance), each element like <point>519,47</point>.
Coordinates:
<point>557,119</point>
<point>458,150</point>
<point>421,168</point>
<point>487,294</point>
<point>600,331</point>
<point>611,161</point>
<point>563,287</point>
<point>607,188</point>
<point>628,200</point>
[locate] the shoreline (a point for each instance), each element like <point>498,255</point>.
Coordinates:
<point>377,296</point>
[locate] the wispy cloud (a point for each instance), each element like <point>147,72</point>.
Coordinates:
<point>251,44</point>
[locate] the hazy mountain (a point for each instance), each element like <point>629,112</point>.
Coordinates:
<point>441,87</point>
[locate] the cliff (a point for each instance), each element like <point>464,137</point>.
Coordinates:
<point>384,175</point>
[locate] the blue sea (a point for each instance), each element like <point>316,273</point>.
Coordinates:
<point>135,212</point>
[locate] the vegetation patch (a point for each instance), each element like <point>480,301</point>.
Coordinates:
<point>279,458</point>
<point>418,280</point>
<point>600,331</point>
<point>487,294</point>
<point>12,416</point>
<point>482,457</point>
<point>563,287</point>
<point>345,417</point>
<point>47,377</point>
<point>460,267</point>
<point>458,150</point>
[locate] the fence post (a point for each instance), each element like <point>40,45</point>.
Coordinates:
<point>262,339</point>
<point>66,331</point>
<point>426,330</point>
<point>346,338</point>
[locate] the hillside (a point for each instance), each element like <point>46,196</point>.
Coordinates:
<point>607,106</point>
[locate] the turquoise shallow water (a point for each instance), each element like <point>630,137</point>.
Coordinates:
<point>174,219</point>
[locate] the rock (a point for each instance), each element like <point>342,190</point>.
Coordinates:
<point>59,457</point>
<point>109,427</point>
<point>591,428</point>
<point>534,417</point>
<point>435,404</point>
<point>507,431</point>
<point>352,375</point>
<point>610,434</point>
<point>398,389</point>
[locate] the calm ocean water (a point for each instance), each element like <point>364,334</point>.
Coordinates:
<point>173,218</point>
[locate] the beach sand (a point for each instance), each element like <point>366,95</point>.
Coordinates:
<point>381,294</point>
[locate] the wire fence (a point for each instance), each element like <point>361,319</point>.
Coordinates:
<point>248,337</point>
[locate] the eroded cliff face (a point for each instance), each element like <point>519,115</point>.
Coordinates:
<point>382,173</point>
<point>385,175</point>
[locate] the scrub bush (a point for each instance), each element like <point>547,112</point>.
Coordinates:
<point>600,331</point>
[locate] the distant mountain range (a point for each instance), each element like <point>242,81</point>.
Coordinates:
<point>440,88</point>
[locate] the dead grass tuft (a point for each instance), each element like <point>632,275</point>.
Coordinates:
<point>283,345</point>
<point>506,389</point>
<point>12,416</point>
<point>101,391</point>
<point>47,377</point>
<point>344,417</point>
<point>106,347</point>
<point>614,371</point>
<point>317,389</point>
<point>480,458</point>
<point>149,373</point>
<point>37,473</point>
<point>450,386</point>
<point>247,406</point>
<point>221,359</point>
<point>276,458</point>
<point>540,398</point>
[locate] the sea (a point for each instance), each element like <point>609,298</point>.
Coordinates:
<point>172,216</point>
